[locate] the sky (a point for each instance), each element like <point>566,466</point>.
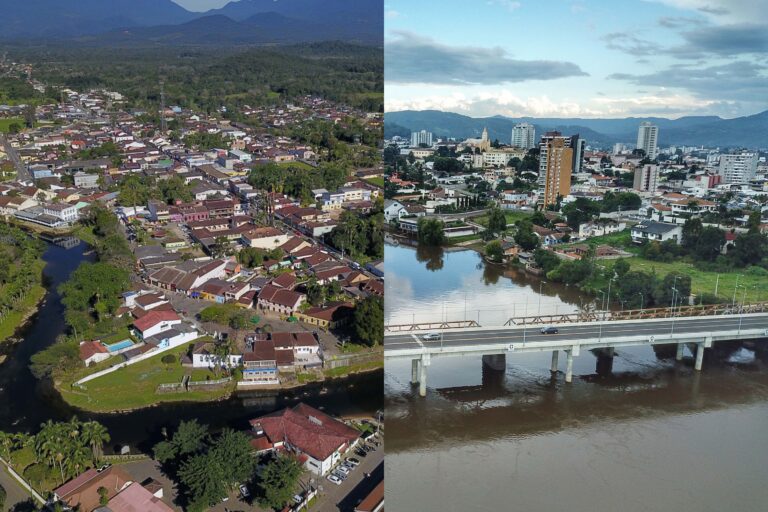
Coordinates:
<point>577,58</point>
<point>201,5</point>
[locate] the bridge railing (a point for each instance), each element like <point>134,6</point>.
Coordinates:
<point>426,326</point>
<point>640,314</point>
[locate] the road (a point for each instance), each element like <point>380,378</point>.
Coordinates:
<point>572,333</point>
<point>22,174</point>
<point>334,497</point>
<point>15,493</point>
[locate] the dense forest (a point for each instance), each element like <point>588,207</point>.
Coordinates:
<point>208,78</point>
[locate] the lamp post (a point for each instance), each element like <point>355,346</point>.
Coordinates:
<point>674,294</point>
<point>600,322</point>
<point>642,298</point>
<point>741,310</point>
<point>733,302</point>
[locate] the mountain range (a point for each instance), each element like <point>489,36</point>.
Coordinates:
<point>165,22</point>
<point>748,131</point>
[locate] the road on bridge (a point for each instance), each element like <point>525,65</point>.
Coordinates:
<point>571,333</point>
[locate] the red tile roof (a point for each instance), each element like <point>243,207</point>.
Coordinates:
<point>153,318</point>
<point>309,430</point>
<point>90,348</point>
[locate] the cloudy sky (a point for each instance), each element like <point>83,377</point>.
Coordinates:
<point>578,58</point>
<point>201,5</point>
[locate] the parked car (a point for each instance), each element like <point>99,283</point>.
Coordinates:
<point>353,461</point>
<point>343,469</point>
<point>431,336</point>
<point>244,492</point>
<point>360,452</point>
<point>338,474</point>
<point>549,330</point>
<point>297,498</point>
<point>334,479</point>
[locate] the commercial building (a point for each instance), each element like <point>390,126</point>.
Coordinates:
<point>648,139</point>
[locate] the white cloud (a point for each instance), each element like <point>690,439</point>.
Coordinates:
<point>723,11</point>
<point>507,4</point>
<point>392,14</point>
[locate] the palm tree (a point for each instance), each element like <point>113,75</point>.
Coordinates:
<point>95,434</point>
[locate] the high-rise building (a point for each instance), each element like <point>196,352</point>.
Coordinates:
<point>646,178</point>
<point>648,139</point>
<point>421,137</point>
<point>738,167</point>
<point>523,136</point>
<point>555,167</point>
<point>578,145</point>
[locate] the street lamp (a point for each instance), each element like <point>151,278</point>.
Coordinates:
<point>674,294</point>
<point>600,322</point>
<point>733,302</point>
<point>741,310</point>
<point>642,298</point>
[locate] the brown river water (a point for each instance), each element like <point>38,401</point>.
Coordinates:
<point>643,433</point>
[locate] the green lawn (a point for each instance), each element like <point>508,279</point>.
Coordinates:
<point>346,370</point>
<point>5,122</point>
<point>135,386</point>
<point>704,282</point>
<point>512,217</point>
<point>377,181</point>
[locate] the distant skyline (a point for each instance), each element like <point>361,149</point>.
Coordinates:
<point>578,58</point>
<point>201,5</point>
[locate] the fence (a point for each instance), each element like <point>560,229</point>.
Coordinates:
<point>351,359</point>
<point>188,385</point>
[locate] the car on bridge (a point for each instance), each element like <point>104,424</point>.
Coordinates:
<point>549,330</point>
<point>431,336</point>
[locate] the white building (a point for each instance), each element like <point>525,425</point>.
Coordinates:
<point>648,139</point>
<point>62,211</point>
<point>422,137</point>
<point>523,136</point>
<point>738,168</point>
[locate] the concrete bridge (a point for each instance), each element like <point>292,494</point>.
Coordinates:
<point>494,343</point>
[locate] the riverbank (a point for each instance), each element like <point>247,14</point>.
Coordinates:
<point>141,385</point>
<point>14,321</point>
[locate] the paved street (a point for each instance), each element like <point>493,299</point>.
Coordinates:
<point>21,170</point>
<point>568,333</point>
<point>333,496</point>
<point>15,493</point>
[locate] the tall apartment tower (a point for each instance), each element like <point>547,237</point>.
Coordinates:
<point>579,146</point>
<point>523,136</point>
<point>648,139</point>
<point>646,178</point>
<point>555,167</point>
<point>738,167</point>
<point>422,137</point>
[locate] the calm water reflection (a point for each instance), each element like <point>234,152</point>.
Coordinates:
<point>640,433</point>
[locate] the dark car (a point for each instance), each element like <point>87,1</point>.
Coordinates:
<point>549,330</point>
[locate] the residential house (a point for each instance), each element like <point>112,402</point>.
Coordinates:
<point>319,440</point>
<point>286,302</point>
<point>656,231</point>
<point>267,238</point>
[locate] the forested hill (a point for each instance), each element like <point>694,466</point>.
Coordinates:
<point>154,22</point>
<point>748,131</point>
<point>206,78</point>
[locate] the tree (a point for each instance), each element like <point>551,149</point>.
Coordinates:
<point>709,243</point>
<point>754,221</point>
<point>525,237</point>
<point>430,231</point>
<point>95,435</point>
<point>368,321</point>
<point>691,232</point>
<point>278,482</point>
<point>621,267</point>
<point>546,260</point>
<point>636,289</point>
<point>674,284</point>
<point>494,251</point>
<point>204,479</point>
<point>748,249</point>
<point>497,221</point>
<point>103,496</point>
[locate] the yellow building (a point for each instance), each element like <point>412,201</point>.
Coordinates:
<point>559,165</point>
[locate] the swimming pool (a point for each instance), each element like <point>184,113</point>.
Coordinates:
<point>120,345</point>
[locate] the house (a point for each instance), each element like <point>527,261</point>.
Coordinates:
<point>204,356</point>
<point>264,238</point>
<point>92,352</point>
<point>327,317</point>
<point>280,300</point>
<point>134,498</point>
<point>260,363</point>
<point>155,322</point>
<point>62,211</point>
<point>600,227</point>
<point>303,345</point>
<point>318,440</point>
<point>83,491</point>
<point>656,231</point>
<point>86,180</point>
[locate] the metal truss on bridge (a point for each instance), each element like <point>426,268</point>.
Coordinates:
<point>427,326</point>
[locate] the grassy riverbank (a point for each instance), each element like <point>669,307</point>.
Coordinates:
<point>135,386</point>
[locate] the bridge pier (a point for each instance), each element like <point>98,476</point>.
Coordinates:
<point>679,354</point>
<point>553,366</point>
<point>415,370</point>
<point>497,362</point>
<point>423,374</point>
<point>699,356</point>
<point>569,366</point>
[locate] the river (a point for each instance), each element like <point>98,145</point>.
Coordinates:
<point>643,434</point>
<point>26,402</point>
